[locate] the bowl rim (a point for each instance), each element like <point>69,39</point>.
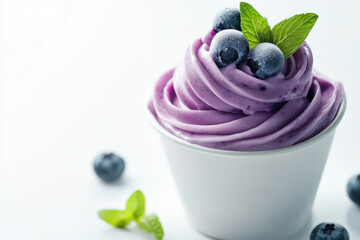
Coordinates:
<point>155,124</point>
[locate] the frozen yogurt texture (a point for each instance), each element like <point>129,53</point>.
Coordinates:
<point>230,109</point>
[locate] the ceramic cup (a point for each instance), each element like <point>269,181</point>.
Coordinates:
<point>248,195</point>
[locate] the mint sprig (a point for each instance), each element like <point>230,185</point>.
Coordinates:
<point>254,26</point>
<point>134,211</point>
<point>116,218</point>
<point>288,34</point>
<point>151,224</point>
<point>135,205</point>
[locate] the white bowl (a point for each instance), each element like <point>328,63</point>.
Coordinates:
<point>248,195</point>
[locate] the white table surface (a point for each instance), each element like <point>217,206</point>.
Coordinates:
<point>73,79</point>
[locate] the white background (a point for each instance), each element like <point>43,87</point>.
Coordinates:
<point>74,75</point>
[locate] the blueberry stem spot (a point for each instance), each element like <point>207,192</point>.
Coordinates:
<point>228,55</point>
<point>329,228</point>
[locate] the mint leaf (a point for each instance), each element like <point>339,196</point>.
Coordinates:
<point>255,28</point>
<point>135,210</point>
<point>151,224</point>
<point>117,218</point>
<point>136,205</point>
<point>290,33</point>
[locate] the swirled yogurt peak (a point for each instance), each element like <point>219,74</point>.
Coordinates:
<point>231,107</point>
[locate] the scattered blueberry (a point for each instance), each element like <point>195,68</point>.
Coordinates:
<point>266,60</point>
<point>108,166</point>
<point>229,18</point>
<point>353,189</point>
<point>329,231</point>
<point>229,46</point>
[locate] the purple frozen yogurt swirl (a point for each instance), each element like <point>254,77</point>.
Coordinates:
<point>228,108</point>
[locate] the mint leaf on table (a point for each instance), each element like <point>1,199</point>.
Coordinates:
<point>151,224</point>
<point>134,211</point>
<point>117,218</point>
<point>290,33</point>
<point>135,205</point>
<point>254,26</point>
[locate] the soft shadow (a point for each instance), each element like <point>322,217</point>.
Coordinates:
<point>139,232</point>
<point>122,233</point>
<point>208,236</point>
<point>120,182</point>
<point>353,218</point>
<point>304,233</point>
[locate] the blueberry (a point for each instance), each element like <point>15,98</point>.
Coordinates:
<point>108,166</point>
<point>266,60</point>
<point>353,189</point>
<point>229,18</point>
<point>329,231</point>
<point>229,46</point>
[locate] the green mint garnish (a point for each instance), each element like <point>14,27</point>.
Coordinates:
<point>288,34</point>
<point>255,27</point>
<point>134,211</point>
<point>151,224</point>
<point>117,218</point>
<point>135,205</point>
